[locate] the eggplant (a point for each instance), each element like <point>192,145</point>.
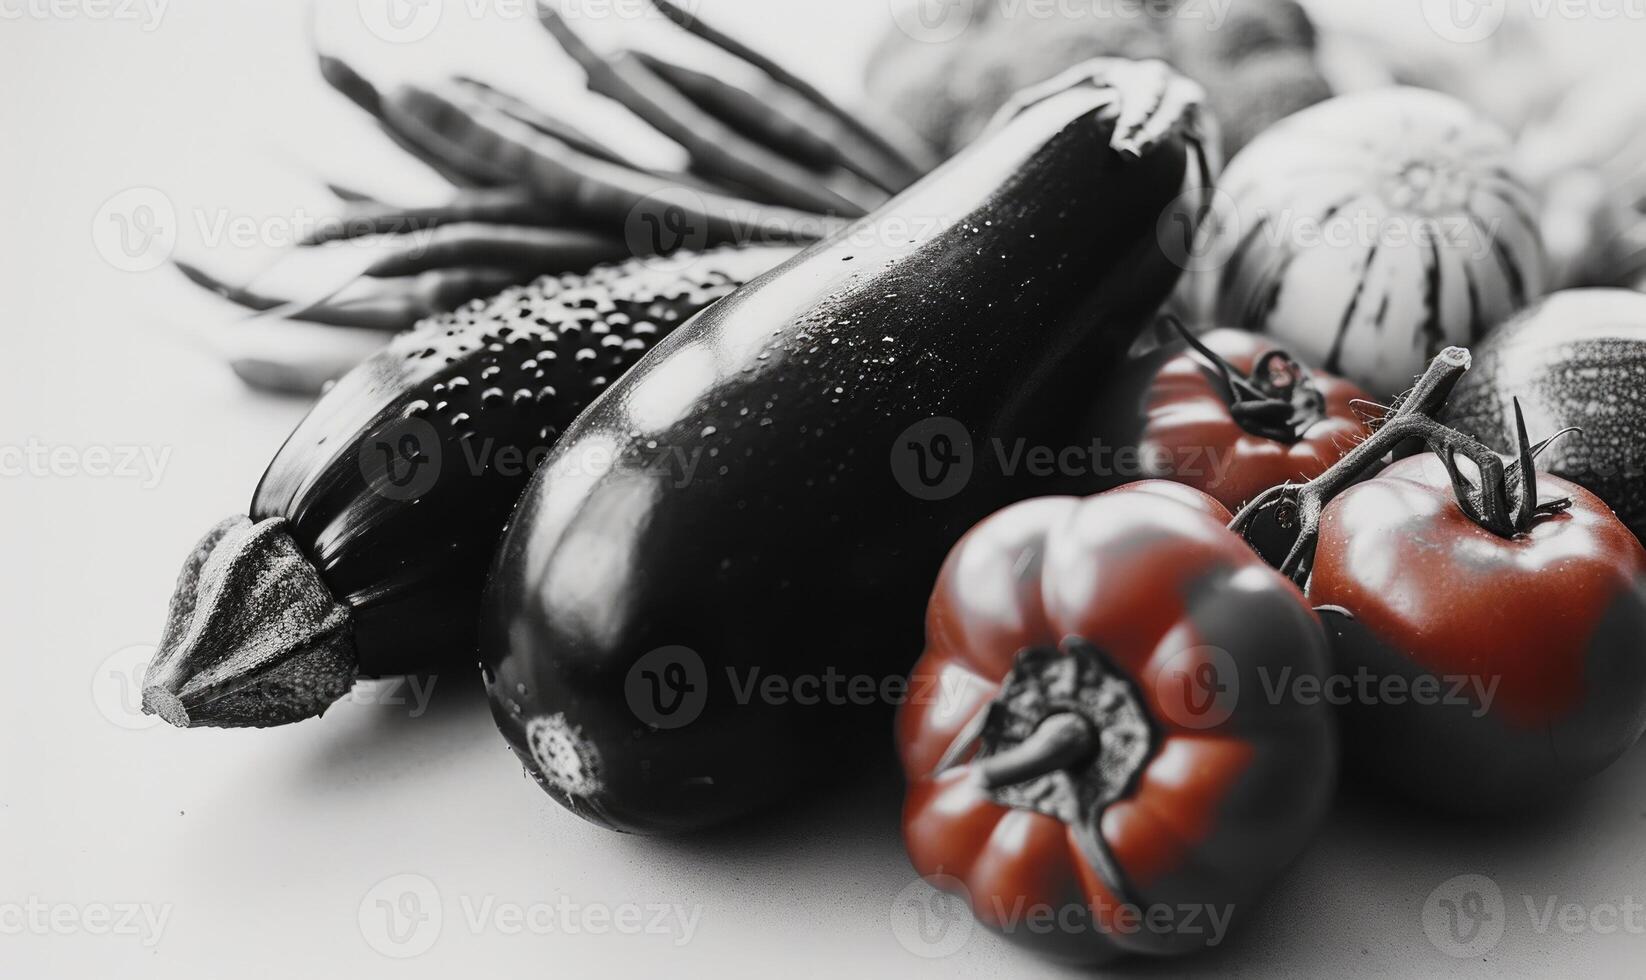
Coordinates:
<point>666,651</point>
<point>1575,359</point>
<point>367,542</point>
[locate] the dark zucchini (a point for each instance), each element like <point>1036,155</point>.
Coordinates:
<point>368,539</point>
<point>1577,358</point>
<point>992,296</point>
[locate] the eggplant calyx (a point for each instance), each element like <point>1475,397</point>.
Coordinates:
<point>1279,400</point>
<point>253,637</point>
<point>1147,101</point>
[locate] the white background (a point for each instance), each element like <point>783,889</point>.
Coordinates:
<point>263,846</point>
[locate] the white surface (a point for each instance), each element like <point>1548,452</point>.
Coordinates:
<point>263,849</point>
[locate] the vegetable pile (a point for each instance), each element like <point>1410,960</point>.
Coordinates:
<point>640,480</point>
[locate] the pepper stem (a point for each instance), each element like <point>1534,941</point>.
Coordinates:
<point>1063,741</point>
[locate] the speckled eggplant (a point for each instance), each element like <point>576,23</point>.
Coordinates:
<point>985,303</point>
<point>367,542</point>
<point>1578,358</point>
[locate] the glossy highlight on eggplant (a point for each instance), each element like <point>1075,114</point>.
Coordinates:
<point>366,545</point>
<point>659,650</point>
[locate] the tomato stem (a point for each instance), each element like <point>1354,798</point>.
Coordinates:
<point>1299,506</point>
<point>1501,497</point>
<point>1278,400</point>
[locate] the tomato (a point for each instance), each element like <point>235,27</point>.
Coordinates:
<point>1531,647</point>
<point>1093,756</point>
<point>1271,422</point>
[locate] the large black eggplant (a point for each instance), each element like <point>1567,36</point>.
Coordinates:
<point>666,650</point>
<point>1576,358</point>
<point>368,539</point>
